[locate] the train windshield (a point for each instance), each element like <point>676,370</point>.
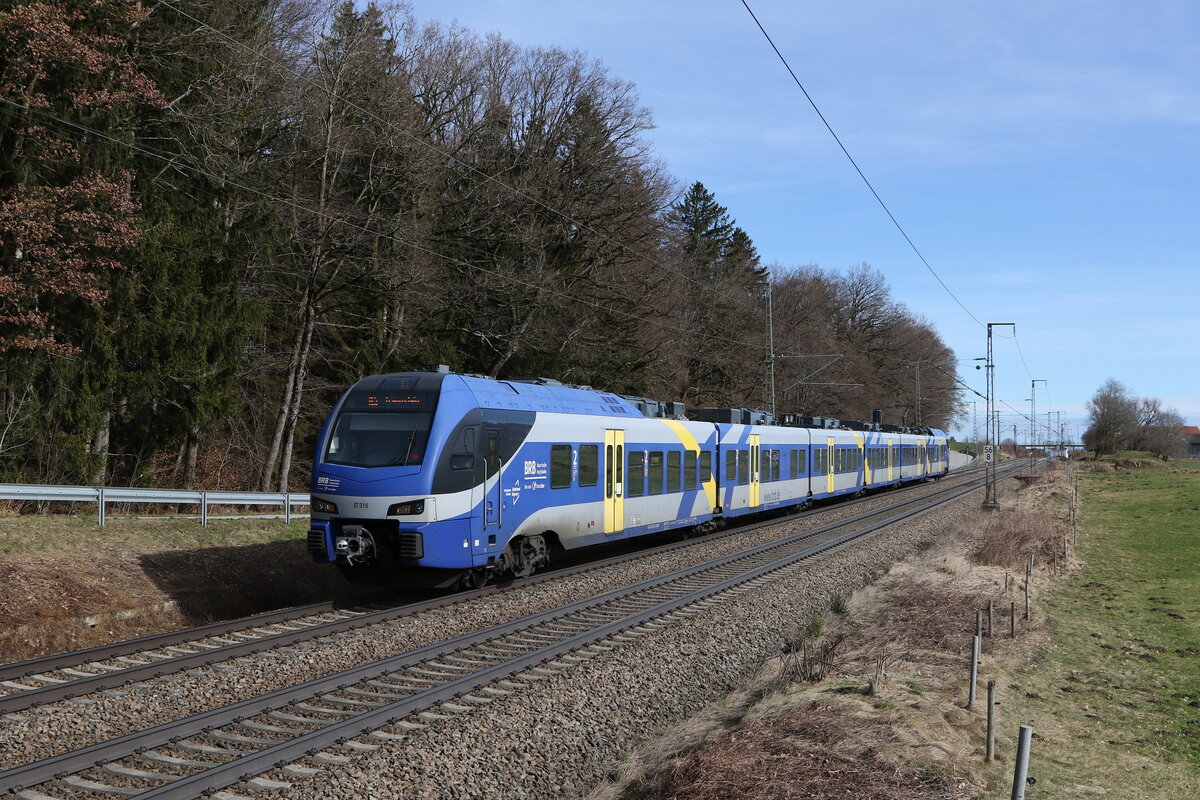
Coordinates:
<point>381,429</point>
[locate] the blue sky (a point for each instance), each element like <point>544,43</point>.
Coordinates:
<point>1044,157</point>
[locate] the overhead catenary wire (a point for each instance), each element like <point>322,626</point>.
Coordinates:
<point>341,220</point>
<point>494,179</point>
<point>858,169</point>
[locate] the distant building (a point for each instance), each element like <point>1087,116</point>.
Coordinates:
<point>1193,439</point>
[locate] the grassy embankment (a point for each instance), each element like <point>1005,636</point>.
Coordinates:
<point>1114,699</point>
<point>66,582</point>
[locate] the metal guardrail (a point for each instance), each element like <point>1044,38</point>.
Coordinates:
<point>103,495</point>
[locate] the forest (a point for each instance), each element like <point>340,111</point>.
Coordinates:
<point>215,216</point>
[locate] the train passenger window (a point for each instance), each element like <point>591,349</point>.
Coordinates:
<point>635,476</point>
<point>589,464</point>
<point>743,461</point>
<point>775,459</point>
<point>560,466</point>
<point>689,470</point>
<point>705,466</point>
<point>674,471</point>
<point>620,464</point>
<point>795,457</point>
<point>655,472</point>
<point>731,466</point>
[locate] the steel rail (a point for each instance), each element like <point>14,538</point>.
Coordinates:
<point>15,779</point>
<point>158,665</point>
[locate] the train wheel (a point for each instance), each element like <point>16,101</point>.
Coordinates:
<point>475,578</point>
<point>523,556</point>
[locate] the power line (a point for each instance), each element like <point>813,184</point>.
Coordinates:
<point>857,169</point>
<point>491,178</point>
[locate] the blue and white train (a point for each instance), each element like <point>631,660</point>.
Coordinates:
<point>433,478</point>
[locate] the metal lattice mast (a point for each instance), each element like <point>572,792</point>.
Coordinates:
<point>769,389</point>
<point>990,463</point>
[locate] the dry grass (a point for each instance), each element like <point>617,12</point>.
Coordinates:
<point>814,752</point>
<point>1009,537</point>
<point>890,719</point>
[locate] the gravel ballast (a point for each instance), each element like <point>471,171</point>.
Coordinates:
<point>703,665</point>
<point>560,736</point>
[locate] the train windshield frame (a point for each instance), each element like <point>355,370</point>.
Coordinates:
<point>381,429</point>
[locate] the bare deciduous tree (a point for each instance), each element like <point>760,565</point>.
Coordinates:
<point>1114,417</point>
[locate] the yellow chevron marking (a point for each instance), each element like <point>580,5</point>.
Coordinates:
<point>862,448</point>
<point>689,442</point>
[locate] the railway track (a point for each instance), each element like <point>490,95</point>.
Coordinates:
<point>300,729</point>
<point>64,676</point>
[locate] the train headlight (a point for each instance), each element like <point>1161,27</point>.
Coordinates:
<point>324,506</point>
<point>406,509</point>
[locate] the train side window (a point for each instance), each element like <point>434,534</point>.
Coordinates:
<point>731,466</point>
<point>705,466</point>
<point>635,475</point>
<point>743,462</point>
<point>620,463</point>
<point>464,456</point>
<point>493,458</point>
<point>655,472</point>
<point>589,464</point>
<point>674,471</point>
<point>689,470</point>
<point>795,457</point>
<point>775,468</point>
<point>560,466</point>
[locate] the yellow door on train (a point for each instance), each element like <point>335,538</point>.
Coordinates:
<point>614,482</point>
<point>755,473</point>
